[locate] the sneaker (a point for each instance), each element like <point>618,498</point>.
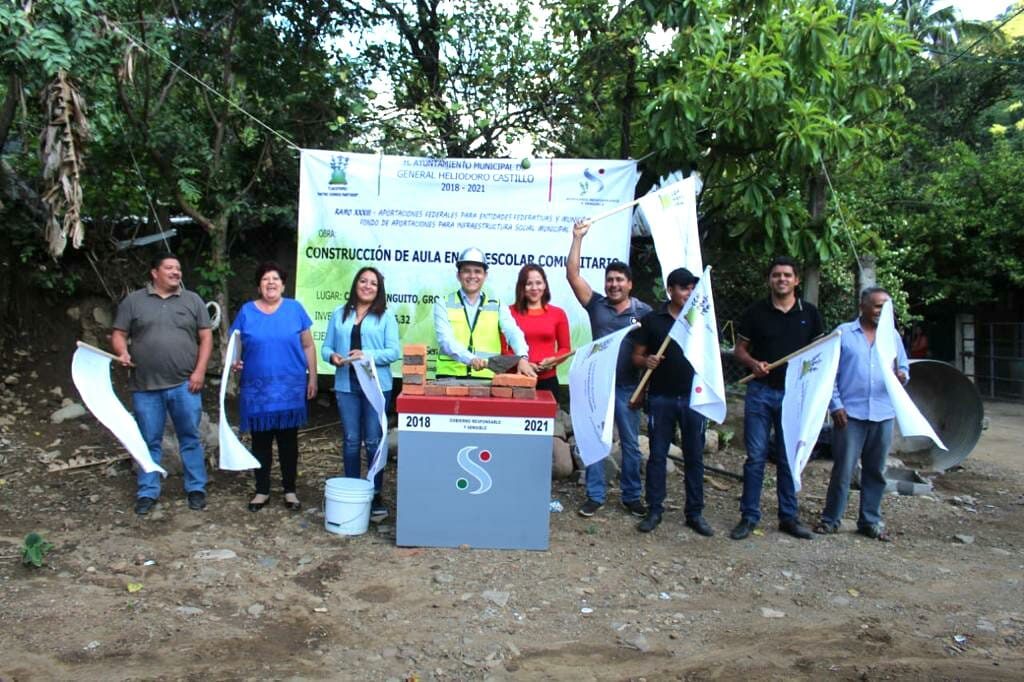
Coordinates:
<point>143,505</point>
<point>197,500</point>
<point>796,529</point>
<point>378,510</point>
<point>826,528</point>
<point>743,529</point>
<point>590,507</point>
<point>702,527</point>
<point>650,522</point>
<point>636,508</point>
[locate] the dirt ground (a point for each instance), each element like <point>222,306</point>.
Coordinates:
<point>123,597</point>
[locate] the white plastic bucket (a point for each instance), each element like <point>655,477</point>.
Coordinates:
<point>347,505</point>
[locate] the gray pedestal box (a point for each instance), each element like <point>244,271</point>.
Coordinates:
<point>474,471</point>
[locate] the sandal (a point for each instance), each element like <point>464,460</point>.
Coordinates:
<point>875,533</point>
<point>823,528</point>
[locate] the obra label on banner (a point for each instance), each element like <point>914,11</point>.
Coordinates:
<point>448,423</point>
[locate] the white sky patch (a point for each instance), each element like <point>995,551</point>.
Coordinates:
<point>976,10</point>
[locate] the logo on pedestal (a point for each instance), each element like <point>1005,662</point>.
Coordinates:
<point>467,464</point>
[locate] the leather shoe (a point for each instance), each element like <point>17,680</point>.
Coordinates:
<point>650,522</point>
<point>701,526</point>
<point>143,505</point>
<point>197,500</point>
<point>743,529</point>
<point>796,529</point>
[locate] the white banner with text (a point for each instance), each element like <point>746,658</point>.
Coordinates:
<point>409,217</point>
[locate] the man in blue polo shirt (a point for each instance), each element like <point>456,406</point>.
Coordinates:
<point>862,414</point>
<point>610,313</point>
<point>771,329</point>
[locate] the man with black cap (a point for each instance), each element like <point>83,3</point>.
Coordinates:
<point>668,403</point>
<point>469,325</point>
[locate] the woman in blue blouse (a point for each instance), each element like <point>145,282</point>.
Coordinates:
<point>278,365</point>
<point>363,327</point>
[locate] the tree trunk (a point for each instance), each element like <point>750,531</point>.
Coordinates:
<point>812,283</point>
<point>220,267</point>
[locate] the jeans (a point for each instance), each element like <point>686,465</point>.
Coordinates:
<point>663,413</point>
<point>762,414</point>
<point>287,457</point>
<point>628,423</point>
<point>869,443</point>
<point>360,426</point>
<point>186,408</point>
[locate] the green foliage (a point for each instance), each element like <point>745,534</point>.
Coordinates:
<point>34,550</point>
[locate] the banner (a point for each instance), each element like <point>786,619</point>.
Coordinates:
<point>366,372</point>
<point>696,332</point>
<point>910,419</point>
<point>411,217</point>
<point>671,216</point>
<point>90,371</point>
<point>810,378</point>
<point>234,456</point>
<point>592,395</point>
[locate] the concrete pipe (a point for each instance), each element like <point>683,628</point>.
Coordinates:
<point>952,405</point>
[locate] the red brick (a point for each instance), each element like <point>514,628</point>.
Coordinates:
<point>414,349</point>
<point>514,380</point>
<point>456,391</point>
<point>524,393</point>
<point>408,370</point>
<point>413,389</point>
<point>479,391</point>
<point>501,392</point>
<point>435,389</point>
<point>413,378</point>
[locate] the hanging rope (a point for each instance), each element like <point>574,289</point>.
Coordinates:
<point>139,43</point>
<point>842,218</point>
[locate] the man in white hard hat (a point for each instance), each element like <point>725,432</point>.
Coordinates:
<point>469,325</point>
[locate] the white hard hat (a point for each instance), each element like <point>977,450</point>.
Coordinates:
<point>471,256</point>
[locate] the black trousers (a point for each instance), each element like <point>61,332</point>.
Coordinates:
<point>287,456</point>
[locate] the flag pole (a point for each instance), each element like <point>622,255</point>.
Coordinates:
<point>94,349</point>
<point>784,360</point>
<point>612,211</point>
<point>647,375</point>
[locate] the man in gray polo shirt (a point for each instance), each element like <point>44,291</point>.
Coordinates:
<point>610,313</point>
<point>171,340</point>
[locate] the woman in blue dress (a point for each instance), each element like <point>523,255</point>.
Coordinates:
<point>362,327</point>
<point>278,366</point>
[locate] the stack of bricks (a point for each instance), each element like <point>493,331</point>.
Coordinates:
<point>514,386</point>
<point>414,369</point>
<point>414,381</point>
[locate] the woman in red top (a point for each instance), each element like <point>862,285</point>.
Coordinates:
<point>545,326</point>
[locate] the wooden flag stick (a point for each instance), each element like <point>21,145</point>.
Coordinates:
<point>612,211</point>
<point>94,349</point>
<point>556,361</point>
<point>647,375</point>
<point>784,360</point>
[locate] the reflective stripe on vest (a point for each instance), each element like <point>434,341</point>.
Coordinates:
<point>484,338</point>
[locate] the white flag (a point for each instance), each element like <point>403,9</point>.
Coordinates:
<point>910,419</point>
<point>671,215</point>
<point>90,370</point>
<point>592,394</point>
<point>696,332</point>
<point>810,378</point>
<point>366,372</point>
<point>234,456</point>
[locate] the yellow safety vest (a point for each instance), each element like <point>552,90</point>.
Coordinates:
<point>481,335</point>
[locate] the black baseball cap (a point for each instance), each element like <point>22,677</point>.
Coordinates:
<point>681,277</point>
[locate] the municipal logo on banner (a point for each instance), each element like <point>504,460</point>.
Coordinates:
<point>339,163</point>
<point>479,473</point>
<point>592,182</point>
<point>810,378</point>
